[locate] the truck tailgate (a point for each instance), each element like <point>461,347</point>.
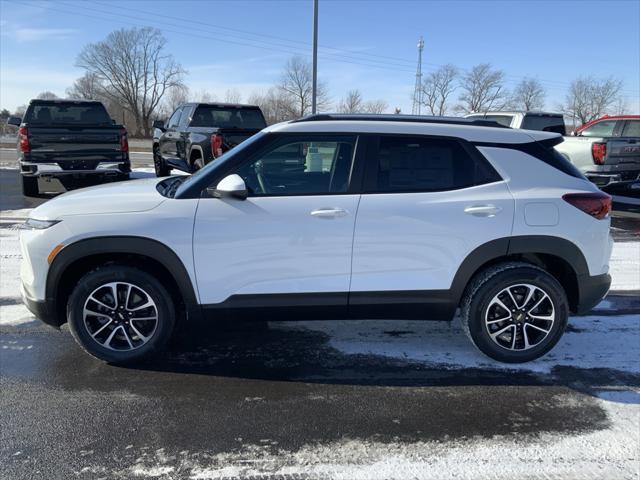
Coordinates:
<point>623,151</point>
<point>75,147</point>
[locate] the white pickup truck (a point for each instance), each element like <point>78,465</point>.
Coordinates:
<point>606,150</point>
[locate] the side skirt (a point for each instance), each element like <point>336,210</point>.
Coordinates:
<point>401,305</point>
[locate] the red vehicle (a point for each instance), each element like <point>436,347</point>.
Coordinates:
<point>606,117</point>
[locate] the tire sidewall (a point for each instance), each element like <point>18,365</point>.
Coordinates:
<point>485,293</point>
<point>139,278</point>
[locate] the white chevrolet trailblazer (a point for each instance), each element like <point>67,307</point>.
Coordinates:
<point>331,217</point>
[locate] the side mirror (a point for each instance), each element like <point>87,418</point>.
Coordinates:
<point>159,124</point>
<point>15,121</point>
<point>231,186</point>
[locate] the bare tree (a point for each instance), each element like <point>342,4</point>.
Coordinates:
<point>205,97</point>
<point>177,96</point>
<point>87,87</point>
<point>232,95</point>
<point>351,103</point>
<point>376,106</point>
<point>528,95</point>
<point>437,87</point>
<point>483,90</point>
<point>275,104</point>
<point>296,83</point>
<point>590,98</point>
<point>134,69</point>
<point>47,95</point>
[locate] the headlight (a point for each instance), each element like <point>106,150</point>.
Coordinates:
<point>33,224</point>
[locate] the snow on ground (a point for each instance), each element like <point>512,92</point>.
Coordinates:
<point>591,342</point>
<point>625,266</point>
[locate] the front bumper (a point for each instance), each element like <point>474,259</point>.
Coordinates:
<point>591,290</point>
<point>41,310</point>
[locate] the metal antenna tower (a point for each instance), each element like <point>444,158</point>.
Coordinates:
<point>417,92</point>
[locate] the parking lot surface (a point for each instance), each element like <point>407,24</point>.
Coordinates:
<point>325,399</point>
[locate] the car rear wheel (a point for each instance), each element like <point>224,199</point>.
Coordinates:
<point>30,186</point>
<point>120,314</point>
<point>161,168</point>
<point>514,312</point>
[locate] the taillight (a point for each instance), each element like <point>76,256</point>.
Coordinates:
<point>124,141</point>
<point>23,140</point>
<point>216,145</point>
<point>597,204</point>
<point>598,152</point>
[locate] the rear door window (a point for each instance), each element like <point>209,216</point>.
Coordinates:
<point>631,129</point>
<point>422,164</point>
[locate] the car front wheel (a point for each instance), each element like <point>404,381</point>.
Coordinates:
<point>159,165</point>
<point>120,314</point>
<point>514,312</point>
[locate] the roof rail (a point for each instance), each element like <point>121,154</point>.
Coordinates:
<point>319,117</point>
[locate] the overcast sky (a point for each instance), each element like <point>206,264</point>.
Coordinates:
<point>365,44</point>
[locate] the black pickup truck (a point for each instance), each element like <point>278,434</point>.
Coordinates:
<point>74,141</point>
<point>197,133</point>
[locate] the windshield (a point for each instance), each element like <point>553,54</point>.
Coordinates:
<point>67,114</point>
<point>228,117</point>
<point>218,162</point>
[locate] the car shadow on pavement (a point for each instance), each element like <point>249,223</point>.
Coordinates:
<point>294,352</point>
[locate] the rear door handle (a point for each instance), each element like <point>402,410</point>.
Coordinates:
<point>329,212</point>
<point>483,210</point>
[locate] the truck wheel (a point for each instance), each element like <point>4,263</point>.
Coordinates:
<point>120,314</point>
<point>30,186</point>
<point>514,312</point>
<point>160,166</point>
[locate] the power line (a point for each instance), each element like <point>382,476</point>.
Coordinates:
<point>272,46</point>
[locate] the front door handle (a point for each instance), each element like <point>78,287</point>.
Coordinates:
<point>329,212</point>
<point>482,210</point>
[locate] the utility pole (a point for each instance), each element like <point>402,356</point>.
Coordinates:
<point>417,92</point>
<point>314,90</point>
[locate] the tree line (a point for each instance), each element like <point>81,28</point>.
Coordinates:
<point>131,72</point>
<point>482,89</point>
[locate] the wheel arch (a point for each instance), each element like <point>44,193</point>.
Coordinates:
<point>78,258</point>
<point>558,256</point>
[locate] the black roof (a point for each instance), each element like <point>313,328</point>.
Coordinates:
<point>63,100</point>
<point>400,118</point>
<point>219,104</point>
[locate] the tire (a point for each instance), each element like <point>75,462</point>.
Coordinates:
<point>29,186</point>
<point>161,168</point>
<point>518,335</point>
<point>95,332</point>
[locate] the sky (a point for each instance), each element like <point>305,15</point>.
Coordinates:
<point>365,44</point>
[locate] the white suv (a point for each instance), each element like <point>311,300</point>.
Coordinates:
<point>331,216</point>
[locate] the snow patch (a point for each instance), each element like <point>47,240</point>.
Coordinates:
<point>610,453</point>
<point>595,342</point>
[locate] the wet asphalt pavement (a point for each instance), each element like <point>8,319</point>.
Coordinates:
<point>219,391</point>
